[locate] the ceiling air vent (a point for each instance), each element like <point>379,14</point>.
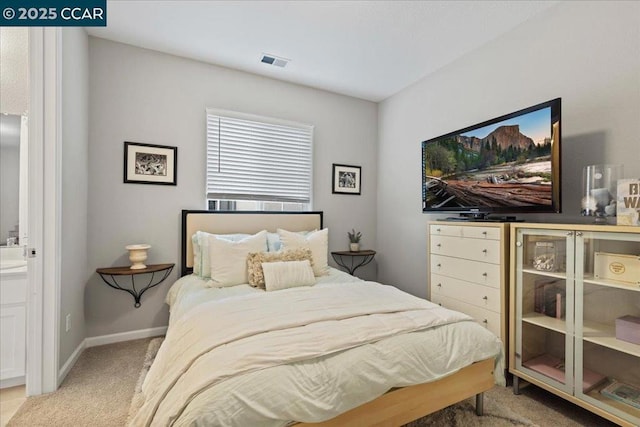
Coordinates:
<point>274,60</point>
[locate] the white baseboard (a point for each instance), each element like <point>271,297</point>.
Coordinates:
<point>12,382</point>
<point>125,336</point>
<point>62,374</point>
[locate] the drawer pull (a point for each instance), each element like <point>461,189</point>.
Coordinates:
<point>484,233</point>
<point>438,230</point>
<point>484,251</point>
<point>484,274</point>
<point>485,298</point>
<point>485,321</point>
<point>438,245</point>
<point>439,265</point>
<point>439,285</point>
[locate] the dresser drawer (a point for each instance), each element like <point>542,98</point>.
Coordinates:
<point>445,230</point>
<point>486,233</point>
<point>484,317</point>
<point>478,295</point>
<point>479,272</point>
<point>474,249</point>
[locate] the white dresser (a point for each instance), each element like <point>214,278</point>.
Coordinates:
<point>468,271</point>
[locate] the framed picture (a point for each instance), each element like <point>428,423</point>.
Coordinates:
<point>150,164</point>
<point>346,179</point>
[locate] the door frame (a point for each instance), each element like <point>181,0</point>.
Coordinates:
<point>43,263</point>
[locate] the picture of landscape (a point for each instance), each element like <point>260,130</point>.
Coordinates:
<point>505,164</point>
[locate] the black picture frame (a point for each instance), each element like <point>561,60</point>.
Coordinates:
<point>150,164</point>
<point>346,179</point>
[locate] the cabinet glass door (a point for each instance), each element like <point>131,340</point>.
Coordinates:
<point>544,306</point>
<point>607,322</point>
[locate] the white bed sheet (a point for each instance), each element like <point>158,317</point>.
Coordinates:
<point>319,389</point>
<point>190,291</point>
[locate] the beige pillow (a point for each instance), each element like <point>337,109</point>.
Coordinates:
<point>255,260</point>
<point>317,241</point>
<point>228,259</point>
<point>287,274</point>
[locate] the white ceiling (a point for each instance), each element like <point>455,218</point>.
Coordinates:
<point>366,49</point>
<point>14,70</point>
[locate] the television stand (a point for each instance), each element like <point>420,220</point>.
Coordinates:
<point>482,217</point>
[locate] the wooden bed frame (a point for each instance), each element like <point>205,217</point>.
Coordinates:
<point>394,408</point>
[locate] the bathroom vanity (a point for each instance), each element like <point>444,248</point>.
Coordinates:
<point>13,309</point>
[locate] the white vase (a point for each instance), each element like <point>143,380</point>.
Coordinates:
<point>137,256</point>
<point>354,247</point>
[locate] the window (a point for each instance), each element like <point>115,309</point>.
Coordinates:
<point>257,163</point>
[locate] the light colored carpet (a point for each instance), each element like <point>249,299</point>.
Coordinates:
<point>97,391</point>
<point>103,387</point>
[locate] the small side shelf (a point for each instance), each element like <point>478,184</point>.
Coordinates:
<point>109,275</point>
<point>364,258</point>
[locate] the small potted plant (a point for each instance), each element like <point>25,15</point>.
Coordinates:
<point>354,240</point>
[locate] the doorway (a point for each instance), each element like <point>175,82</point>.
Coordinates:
<point>14,142</point>
<point>36,55</point>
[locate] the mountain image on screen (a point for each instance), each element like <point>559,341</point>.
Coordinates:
<point>501,165</point>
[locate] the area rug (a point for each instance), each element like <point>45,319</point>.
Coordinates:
<point>463,414</point>
<point>496,412</point>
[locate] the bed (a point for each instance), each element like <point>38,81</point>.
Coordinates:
<point>337,351</point>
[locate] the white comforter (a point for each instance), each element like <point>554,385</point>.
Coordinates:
<point>305,354</point>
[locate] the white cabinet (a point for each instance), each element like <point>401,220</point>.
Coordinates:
<point>13,295</point>
<point>573,288</point>
<point>468,270</point>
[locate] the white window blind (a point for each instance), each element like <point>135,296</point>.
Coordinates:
<point>258,158</point>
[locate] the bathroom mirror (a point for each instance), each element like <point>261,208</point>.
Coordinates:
<point>10,130</point>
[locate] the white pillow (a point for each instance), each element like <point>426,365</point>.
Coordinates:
<point>197,254</point>
<point>273,240</point>
<point>228,260</point>
<point>317,241</point>
<point>287,274</point>
<point>200,241</point>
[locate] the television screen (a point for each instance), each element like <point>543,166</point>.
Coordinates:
<point>509,164</point>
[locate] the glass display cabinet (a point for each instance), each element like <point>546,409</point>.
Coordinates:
<point>575,323</point>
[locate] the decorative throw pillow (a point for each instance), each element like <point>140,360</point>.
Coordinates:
<point>256,259</point>
<point>287,274</point>
<point>228,259</point>
<point>317,241</point>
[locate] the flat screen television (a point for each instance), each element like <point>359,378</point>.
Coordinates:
<point>506,165</point>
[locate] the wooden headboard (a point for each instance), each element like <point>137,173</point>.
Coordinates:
<point>250,222</point>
